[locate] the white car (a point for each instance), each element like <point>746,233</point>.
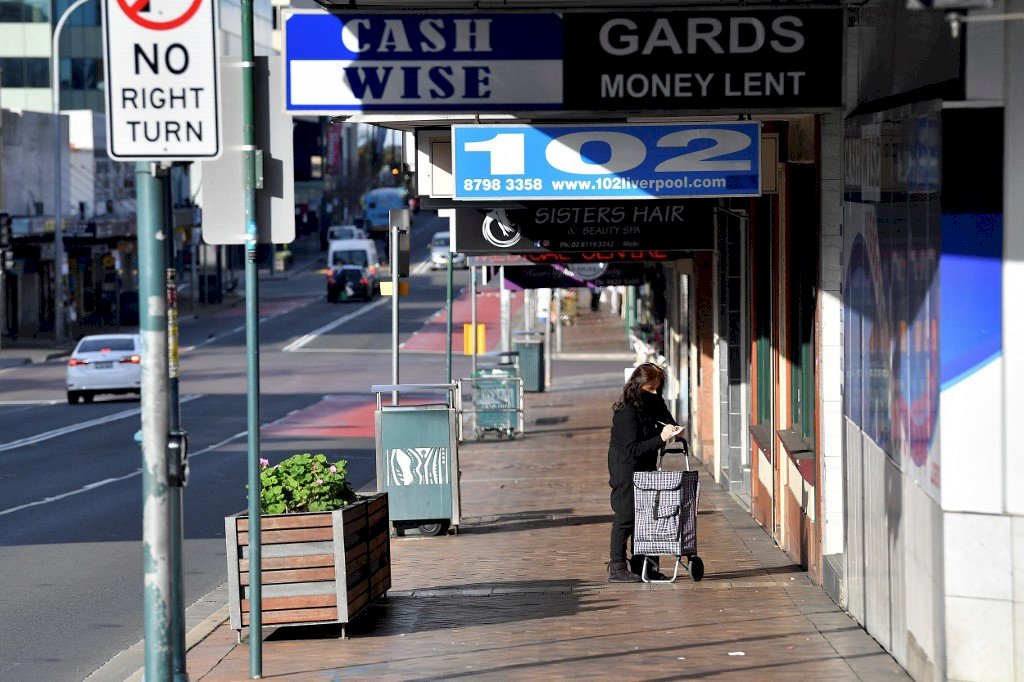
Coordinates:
<point>439,246</point>
<point>107,363</point>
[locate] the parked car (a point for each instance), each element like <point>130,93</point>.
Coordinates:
<point>349,282</point>
<point>439,245</point>
<point>336,232</point>
<point>107,363</point>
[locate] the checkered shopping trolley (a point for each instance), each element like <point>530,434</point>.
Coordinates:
<point>665,523</point>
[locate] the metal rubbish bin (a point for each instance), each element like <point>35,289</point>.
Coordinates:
<point>497,402</point>
<point>418,459</point>
<point>530,346</point>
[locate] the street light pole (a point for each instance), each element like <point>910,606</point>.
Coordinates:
<point>58,209</point>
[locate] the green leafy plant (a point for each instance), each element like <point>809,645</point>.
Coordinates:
<point>304,483</point>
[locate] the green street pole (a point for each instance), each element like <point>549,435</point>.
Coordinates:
<point>252,343</point>
<point>448,347</point>
<point>155,494</point>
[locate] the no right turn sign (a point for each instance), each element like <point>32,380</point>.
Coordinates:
<point>162,91</point>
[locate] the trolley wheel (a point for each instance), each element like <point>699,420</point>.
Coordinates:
<point>436,528</point>
<point>696,568</point>
<point>510,434</point>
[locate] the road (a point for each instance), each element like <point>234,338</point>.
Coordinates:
<point>70,487</point>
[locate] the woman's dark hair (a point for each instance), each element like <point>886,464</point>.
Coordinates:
<point>644,375</point>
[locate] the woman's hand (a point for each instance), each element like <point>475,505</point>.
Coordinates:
<point>670,431</point>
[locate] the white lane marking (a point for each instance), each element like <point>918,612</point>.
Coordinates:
<point>308,338</point>
<point>354,351</point>
<point>83,489</point>
<point>19,403</point>
<point>241,328</point>
<point>107,481</point>
<point>303,340</point>
<point>56,433</point>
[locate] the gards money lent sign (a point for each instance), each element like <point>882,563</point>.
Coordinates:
<point>707,59</point>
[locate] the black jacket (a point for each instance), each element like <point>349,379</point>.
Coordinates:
<point>636,439</point>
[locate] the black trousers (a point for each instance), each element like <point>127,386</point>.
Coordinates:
<point>622,530</point>
<point>622,522</point>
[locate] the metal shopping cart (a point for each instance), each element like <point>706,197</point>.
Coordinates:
<point>497,403</point>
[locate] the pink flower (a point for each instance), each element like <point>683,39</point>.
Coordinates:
<point>334,469</point>
<point>264,463</point>
<point>319,481</point>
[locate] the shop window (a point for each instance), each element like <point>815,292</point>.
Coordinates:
<point>25,72</point>
<point>24,12</point>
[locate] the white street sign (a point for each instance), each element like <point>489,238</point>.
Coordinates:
<point>162,91</point>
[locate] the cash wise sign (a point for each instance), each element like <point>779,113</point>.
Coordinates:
<point>570,61</point>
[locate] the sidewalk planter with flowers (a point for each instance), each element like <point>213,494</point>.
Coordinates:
<point>326,553</point>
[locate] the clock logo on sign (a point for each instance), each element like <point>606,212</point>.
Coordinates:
<point>499,230</point>
<point>587,271</point>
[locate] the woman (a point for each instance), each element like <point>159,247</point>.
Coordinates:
<point>641,426</point>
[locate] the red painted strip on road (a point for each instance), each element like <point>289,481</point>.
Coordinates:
<point>431,337</point>
<point>336,416</point>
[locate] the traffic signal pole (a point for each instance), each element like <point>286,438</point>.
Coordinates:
<point>156,541</point>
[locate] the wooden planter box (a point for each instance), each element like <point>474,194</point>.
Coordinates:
<point>319,567</point>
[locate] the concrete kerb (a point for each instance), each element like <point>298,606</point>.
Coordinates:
<point>204,616</point>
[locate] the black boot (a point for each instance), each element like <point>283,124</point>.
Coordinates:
<point>636,564</point>
<point>618,573</point>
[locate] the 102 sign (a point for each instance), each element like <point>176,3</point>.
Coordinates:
<point>496,163</point>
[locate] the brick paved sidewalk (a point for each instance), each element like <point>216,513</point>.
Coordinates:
<point>521,592</point>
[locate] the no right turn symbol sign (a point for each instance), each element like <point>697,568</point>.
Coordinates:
<point>161,67</point>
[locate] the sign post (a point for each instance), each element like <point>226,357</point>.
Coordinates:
<point>162,106</point>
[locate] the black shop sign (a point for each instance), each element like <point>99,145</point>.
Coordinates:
<point>704,59</point>
<point>570,227</point>
<point>566,277</point>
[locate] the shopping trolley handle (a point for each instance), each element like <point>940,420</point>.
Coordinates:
<point>678,447</point>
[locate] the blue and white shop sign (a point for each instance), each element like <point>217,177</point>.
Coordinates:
<point>679,160</point>
<point>422,62</point>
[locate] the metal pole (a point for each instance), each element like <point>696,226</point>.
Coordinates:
<point>3,305</point>
<point>448,347</point>
<point>178,663</point>
<point>547,344</point>
<point>194,249</point>
<point>58,208</point>
<point>558,320</point>
<point>156,500</point>
<point>252,343</point>
<point>630,310</point>
<point>472,312</point>
<point>394,312</point>
<point>506,304</point>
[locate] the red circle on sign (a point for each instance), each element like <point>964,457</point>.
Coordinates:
<point>133,12</point>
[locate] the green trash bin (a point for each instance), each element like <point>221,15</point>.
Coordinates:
<point>530,346</point>
<point>418,459</point>
<point>497,402</point>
